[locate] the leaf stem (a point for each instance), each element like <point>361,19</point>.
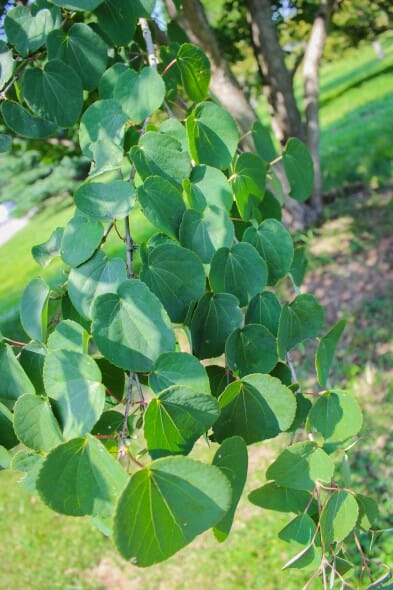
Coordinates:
<point>129,248</point>
<point>15,342</point>
<point>123,451</point>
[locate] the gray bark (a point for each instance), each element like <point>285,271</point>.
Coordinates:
<point>312,58</point>
<point>276,79</point>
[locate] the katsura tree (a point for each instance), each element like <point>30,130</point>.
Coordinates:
<point>129,360</point>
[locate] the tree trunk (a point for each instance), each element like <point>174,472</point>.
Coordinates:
<point>223,85</point>
<point>277,80</point>
<point>312,58</point>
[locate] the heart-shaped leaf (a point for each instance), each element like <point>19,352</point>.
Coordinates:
<point>26,32</point>
<point>194,66</point>
<point>264,309</point>
<point>336,415</point>
<point>81,238</point>
<point>35,423</point>
<point>140,94</point>
<point>24,123</point>
<point>105,200</point>
<point>208,186</point>
<point>252,349</point>
<point>299,169</point>
<point>301,319</point>
<point>207,231</point>
<point>178,368</point>
<point>162,203</point>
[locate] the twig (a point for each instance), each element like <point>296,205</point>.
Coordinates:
<point>129,248</point>
<point>122,452</point>
<point>363,557</point>
<point>107,232</point>
<point>153,62</point>
<point>15,342</point>
<point>140,391</point>
<point>291,368</point>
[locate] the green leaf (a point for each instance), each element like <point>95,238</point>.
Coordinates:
<point>264,309</point>
<point>95,277</point>
<point>166,505</point>
<point>162,203</point>
<point>275,245</point>
<point>78,4</point>
<point>111,423</point>
<point>300,466</point>
<point>5,142</point>
<point>256,408</point>
<point>299,320</point>
<point>112,377</point>
<point>326,350</point>
<point>101,133</point>
<point>73,383</point>
<point>158,154</point>
<point>82,49</point>
<point>194,67</point>
<point>300,531</point>
<point>310,557</point>
<point>106,87</point>
<point>238,270</point>
<point>299,265</point>
<point>232,459</point>
<point>176,275</point>
<point>34,309</point>
<point>368,511</point>
<point>7,64</point>
<point>29,463</point>
<point>140,93</point>
<point>271,496</point>
<point>69,335</point>
<point>19,120</point>
<point>81,238</point>
<point>55,11</point>
<point>44,91</point>
<point>252,349</point>
<point>131,328</point>
<point>206,232</point>
<point>208,186</point>
<point>178,368</point>
<point>219,378</point>
<point>80,477</point>
<point>175,129</point>
<point>248,182</point>
<point>299,168</point>
<point>32,359</point>
<point>7,434</point>
<point>5,458</point>
<point>212,134</point>
<point>13,380</point>
<point>35,424</point>
<point>215,317</point>
<point>176,419</point>
<point>26,32</point>
<point>117,18</point>
<point>263,142</point>
<point>338,517</point>
<point>336,416</point>
<point>105,200</point>
<point>268,208</point>
<point>44,253</point>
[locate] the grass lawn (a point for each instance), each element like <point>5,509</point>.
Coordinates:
<point>351,270</point>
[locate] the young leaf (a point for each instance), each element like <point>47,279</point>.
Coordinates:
<point>232,459</point>
<point>336,415</point>
<point>275,245</point>
<point>256,408</point>
<point>338,517</point>
<point>34,309</point>
<point>325,352</point>
<point>206,232</point>
<point>272,496</point>
<point>95,277</point>
<point>139,93</point>
<point>81,238</point>
<point>131,328</point>
<point>82,49</point>
<point>194,68</point>
<point>215,317</point>
<point>176,275</point>
<point>178,368</point>
<point>44,91</point>
<point>264,309</point>
<point>19,120</point>
<point>299,320</point>
<point>73,383</point>
<point>212,134</point>
<point>166,505</point>
<point>44,253</point>
<point>162,203</point>
<point>176,419</point>
<point>35,424</point>
<point>158,154</point>
<point>299,169</point>
<point>300,466</point>
<point>238,270</point>
<point>8,438</point>
<point>105,201</point>
<point>80,477</point>
<point>252,349</point>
